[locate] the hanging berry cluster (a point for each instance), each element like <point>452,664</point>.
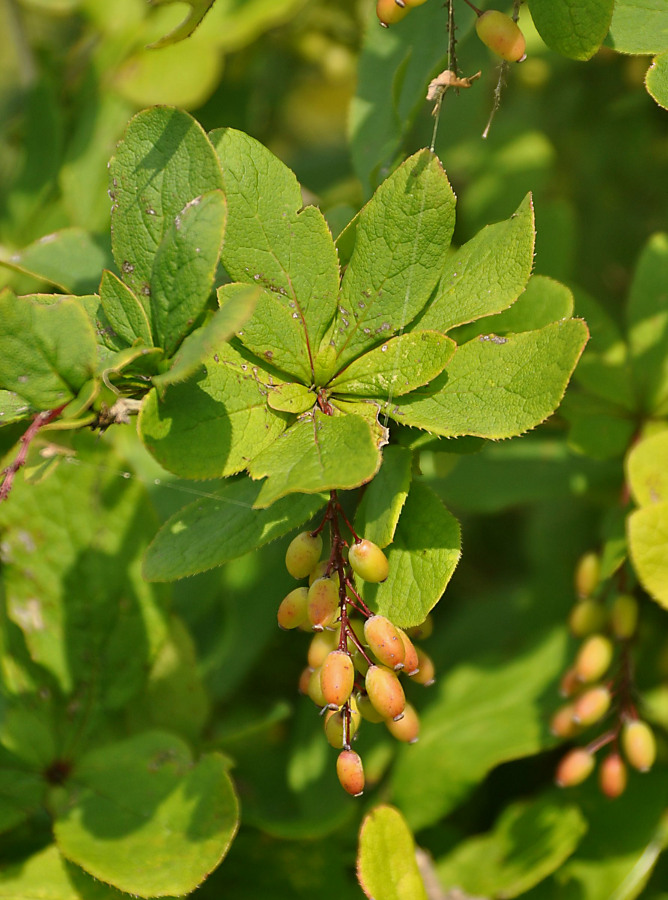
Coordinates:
<point>355,657</point>
<point>599,686</point>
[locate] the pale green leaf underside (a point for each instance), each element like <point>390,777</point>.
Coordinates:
<point>205,341</point>
<point>292,397</point>
<point>648,546</point>
<point>529,841</point>
<point>317,453</point>
<point>383,500</point>
<point>485,275</point>
<point>213,424</point>
<point>401,244</point>
<point>639,26</point>
<point>141,816</point>
<point>214,530</point>
<point>647,470</point>
<point>396,367</point>
<point>499,701</point>
<point>422,558</point>
<point>123,310</point>
<point>656,80</point>
<point>47,353</point>
<point>498,387</point>
<point>575,28</point>
<point>198,9</point>
<point>12,407</point>
<point>163,163</point>
<point>269,242</point>
<point>386,864</point>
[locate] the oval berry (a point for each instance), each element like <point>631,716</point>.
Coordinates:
<point>562,724</point>
<point>293,610</point>
<point>591,706</point>
<point>503,36</point>
<point>639,745</point>
<point>593,658</point>
<point>385,641</point>
<point>303,554</point>
<point>337,677</point>
<point>426,673</point>
<point>422,631</point>
<point>350,772</point>
<point>574,768</point>
<point>612,776</point>
<point>624,616</point>
<point>335,729</point>
<point>322,644</point>
<point>587,617</point>
<point>406,729</point>
<point>368,561</point>
<point>385,692</point>
<point>314,688</point>
<point>587,574</point>
<point>367,710</point>
<point>411,659</point>
<point>323,603</point>
<point>389,12</point>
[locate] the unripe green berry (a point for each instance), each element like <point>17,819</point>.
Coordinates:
<point>411,660</point>
<point>624,616</point>
<point>587,574</point>
<point>368,561</point>
<point>587,617</point>
<point>350,772</point>
<point>303,554</point>
<point>576,766</point>
<point>334,726</point>
<point>323,603</point>
<point>293,610</point>
<point>337,677</point>
<point>426,673</point>
<point>322,644</point>
<point>385,692</point>
<point>367,710</point>
<point>591,706</point>
<point>423,631</point>
<point>612,776</point>
<point>389,12</point>
<point>562,724</point>
<point>314,689</point>
<point>639,745</point>
<point>503,36</point>
<point>385,641</point>
<point>593,658</point>
<point>319,571</point>
<point>406,729</point>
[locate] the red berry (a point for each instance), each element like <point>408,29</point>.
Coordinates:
<point>385,641</point>
<point>612,776</point>
<point>574,768</point>
<point>350,772</point>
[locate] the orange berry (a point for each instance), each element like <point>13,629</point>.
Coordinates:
<point>385,692</point>
<point>503,36</point>
<point>574,768</point>
<point>368,561</point>
<point>612,776</point>
<point>639,745</point>
<point>337,677</point>
<point>426,673</point>
<point>406,729</point>
<point>304,679</point>
<point>411,660</point>
<point>562,724</point>
<point>593,658</point>
<point>591,706</point>
<point>350,772</point>
<point>385,641</point>
<point>367,710</point>
<point>323,603</point>
<point>303,554</point>
<point>322,644</point>
<point>389,12</point>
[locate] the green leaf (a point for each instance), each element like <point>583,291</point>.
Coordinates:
<point>575,28</point>
<point>498,387</point>
<point>124,312</point>
<point>270,243</point>
<point>80,610</point>
<point>453,755</point>
<point>212,425</point>
<point>386,864</point>
<point>163,163</point>
<point>544,301</point>
<point>656,80</point>
<point>639,26</point>
<point>21,792</point>
<point>213,530</point>
<point>396,367</point>
<point>401,244</point>
<point>317,453</point>
<point>383,500</point>
<point>203,343</point>
<point>183,269</point>
<point>598,428</point>
<point>47,876</point>
<point>648,539</point>
<point>47,353</point>
<point>647,315</point>
<point>274,333</point>
<point>647,470</point>
<point>292,398</point>
<point>12,407</point>
<point>141,816</point>
<point>529,841</point>
<point>71,259</point>
<point>198,9</point>
<point>487,274</point>
<point>422,558</point>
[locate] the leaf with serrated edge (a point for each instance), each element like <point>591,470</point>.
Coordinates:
<point>383,500</point>
<point>498,387</point>
<point>401,244</point>
<point>274,333</point>
<point>422,558</point>
<point>656,80</point>
<point>213,530</point>
<point>369,410</point>
<point>317,453</point>
<point>123,310</point>
<point>170,821</point>
<point>575,28</point>
<point>485,275</point>
<point>396,367</point>
<point>212,425</point>
<point>270,242</point>
<point>639,27</point>
<point>203,342</point>
<point>648,540</point>
<point>47,353</point>
<point>386,864</point>
<point>647,470</point>
<point>48,876</point>
<point>164,161</point>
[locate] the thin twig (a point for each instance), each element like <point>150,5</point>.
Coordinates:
<point>40,420</point>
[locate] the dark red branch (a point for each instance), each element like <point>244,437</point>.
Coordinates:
<point>40,420</point>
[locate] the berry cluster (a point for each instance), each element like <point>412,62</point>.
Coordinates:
<point>599,685</point>
<point>355,656</point>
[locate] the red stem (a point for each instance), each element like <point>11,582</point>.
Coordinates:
<point>39,421</point>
